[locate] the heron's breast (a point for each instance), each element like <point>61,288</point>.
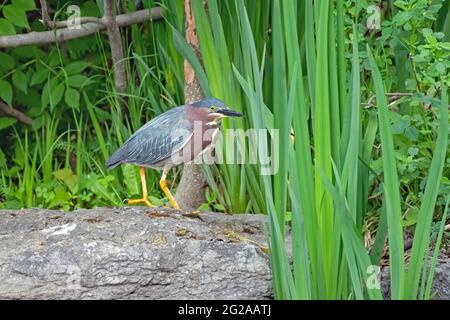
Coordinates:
<point>202,138</point>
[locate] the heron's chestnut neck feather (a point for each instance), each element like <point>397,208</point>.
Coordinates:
<point>202,114</point>
<point>204,133</point>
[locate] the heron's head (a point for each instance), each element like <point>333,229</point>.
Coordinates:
<point>214,109</point>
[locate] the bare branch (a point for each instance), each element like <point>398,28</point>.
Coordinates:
<point>22,117</point>
<point>65,23</point>
<point>45,37</point>
<point>45,15</point>
<point>115,42</point>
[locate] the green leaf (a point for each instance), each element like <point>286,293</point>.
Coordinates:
<point>78,81</point>
<point>6,28</point>
<point>440,67</point>
<point>6,92</point>
<point>288,216</point>
<point>410,216</point>
<point>39,76</point>
<point>203,207</point>
<point>56,95</point>
<point>45,97</point>
<point>61,197</point>
<point>37,123</point>
<point>32,99</point>
<point>412,151</point>
<point>26,5</point>
<point>445,45</point>
<point>412,133</point>
<point>16,16</point>
<point>2,159</point>
<point>219,207</point>
<point>52,93</point>
<point>20,81</point>
<point>6,61</point>
<point>6,122</point>
<point>72,98</point>
<point>156,201</point>
<point>399,125</point>
<point>76,67</point>
<point>100,6</point>
<point>66,175</point>
<point>391,186</point>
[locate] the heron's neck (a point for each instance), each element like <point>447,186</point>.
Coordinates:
<point>195,114</point>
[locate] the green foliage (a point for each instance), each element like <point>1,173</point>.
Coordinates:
<point>68,91</point>
<point>211,203</point>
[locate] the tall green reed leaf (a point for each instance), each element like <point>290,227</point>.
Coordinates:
<point>390,187</point>
<point>322,143</point>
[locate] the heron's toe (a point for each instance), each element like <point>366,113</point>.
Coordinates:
<point>145,201</point>
<point>148,204</point>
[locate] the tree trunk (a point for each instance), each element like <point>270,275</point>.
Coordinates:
<point>115,42</point>
<point>191,189</point>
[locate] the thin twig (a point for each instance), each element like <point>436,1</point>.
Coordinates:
<point>391,95</point>
<point>393,98</point>
<point>45,16</point>
<point>22,117</point>
<point>45,37</point>
<point>82,20</point>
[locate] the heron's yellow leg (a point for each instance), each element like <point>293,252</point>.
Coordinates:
<point>164,188</point>
<point>144,191</point>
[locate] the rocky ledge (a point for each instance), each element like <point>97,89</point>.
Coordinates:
<point>132,253</point>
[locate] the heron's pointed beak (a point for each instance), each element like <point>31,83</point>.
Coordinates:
<point>229,113</point>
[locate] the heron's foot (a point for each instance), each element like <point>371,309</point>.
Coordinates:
<point>173,204</point>
<point>143,200</point>
<point>163,185</point>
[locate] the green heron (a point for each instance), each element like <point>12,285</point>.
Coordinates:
<point>172,138</point>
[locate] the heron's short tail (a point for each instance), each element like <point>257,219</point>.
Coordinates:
<point>114,161</point>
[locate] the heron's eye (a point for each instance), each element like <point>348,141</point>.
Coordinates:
<point>212,108</point>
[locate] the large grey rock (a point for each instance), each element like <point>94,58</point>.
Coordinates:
<point>131,253</point>
<point>140,253</point>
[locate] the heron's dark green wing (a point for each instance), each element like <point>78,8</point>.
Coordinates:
<point>157,140</point>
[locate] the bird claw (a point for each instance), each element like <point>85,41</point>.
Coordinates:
<point>135,201</point>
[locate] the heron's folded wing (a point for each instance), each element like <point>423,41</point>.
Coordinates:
<point>156,140</point>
